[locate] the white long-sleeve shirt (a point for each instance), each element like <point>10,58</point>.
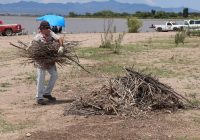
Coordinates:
<point>40,37</point>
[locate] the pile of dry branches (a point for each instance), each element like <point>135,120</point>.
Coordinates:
<point>132,94</point>
<point>45,55</point>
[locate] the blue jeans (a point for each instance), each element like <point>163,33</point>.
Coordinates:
<point>41,89</point>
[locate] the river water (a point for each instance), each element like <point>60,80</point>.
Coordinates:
<point>84,25</point>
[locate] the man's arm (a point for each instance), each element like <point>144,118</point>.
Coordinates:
<point>60,40</point>
<point>57,38</point>
<point>61,48</point>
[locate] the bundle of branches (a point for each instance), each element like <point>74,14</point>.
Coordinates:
<point>133,94</point>
<point>45,55</point>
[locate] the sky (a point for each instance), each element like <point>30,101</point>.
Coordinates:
<point>195,4</point>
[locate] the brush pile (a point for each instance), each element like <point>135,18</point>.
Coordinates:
<point>45,55</point>
<point>130,95</point>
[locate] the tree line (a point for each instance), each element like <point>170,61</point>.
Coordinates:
<point>152,14</point>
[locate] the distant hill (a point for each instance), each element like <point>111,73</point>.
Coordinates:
<point>35,8</point>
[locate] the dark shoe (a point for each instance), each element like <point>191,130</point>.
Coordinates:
<point>41,102</point>
<point>49,97</point>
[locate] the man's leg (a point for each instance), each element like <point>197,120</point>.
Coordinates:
<point>40,83</point>
<point>40,86</point>
<point>53,77</point>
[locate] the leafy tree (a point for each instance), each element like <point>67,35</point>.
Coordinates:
<point>153,12</point>
<point>88,14</point>
<point>161,14</point>
<point>134,24</point>
<point>143,14</point>
<point>185,12</point>
<point>72,14</point>
<point>173,15</point>
<point>124,14</point>
<point>106,13</point>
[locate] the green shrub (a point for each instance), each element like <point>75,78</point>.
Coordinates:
<point>180,37</point>
<point>117,43</point>
<point>193,32</point>
<point>134,24</point>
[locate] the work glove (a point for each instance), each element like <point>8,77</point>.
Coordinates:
<point>61,50</point>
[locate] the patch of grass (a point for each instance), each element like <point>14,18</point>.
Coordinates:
<point>16,78</point>
<point>176,60</point>
<point>194,100</point>
<point>4,65</point>
<point>191,86</point>
<point>134,48</point>
<point>193,95</point>
<point>108,68</point>
<point>3,90</point>
<point>162,72</point>
<point>156,44</point>
<point>104,54</point>
<point>168,43</point>
<point>186,138</point>
<point>169,40</point>
<point>6,126</point>
<point>196,77</point>
<point>163,45</point>
<point>31,77</point>
<point>101,54</point>
<point>196,119</point>
<point>9,54</point>
<point>182,138</point>
<point>4,85</point>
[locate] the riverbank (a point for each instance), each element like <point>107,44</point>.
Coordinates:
<point>90,39</point>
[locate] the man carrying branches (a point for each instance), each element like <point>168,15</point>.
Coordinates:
<point>46,50</point>
<point>45,35</point>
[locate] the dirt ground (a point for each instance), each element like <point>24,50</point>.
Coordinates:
<point>22,119</point>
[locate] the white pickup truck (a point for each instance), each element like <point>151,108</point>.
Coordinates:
<point>169,26</point>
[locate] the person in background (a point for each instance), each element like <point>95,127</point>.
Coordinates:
<point>60,29</point>
<point>55,29</point>
<point>46,35</point>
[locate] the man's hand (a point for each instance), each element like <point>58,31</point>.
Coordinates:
<point>61,50</point>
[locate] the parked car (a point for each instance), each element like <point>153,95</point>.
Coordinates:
<point>168,26</point>
<point>10,29</point>
<point>192,24</point>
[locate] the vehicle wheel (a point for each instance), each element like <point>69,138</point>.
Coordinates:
<point>3,34</point>
<point>8,32</point>
<point>159,29</point>
<point>175,29</point>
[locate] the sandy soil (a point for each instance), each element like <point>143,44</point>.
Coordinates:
<point>21,118</point>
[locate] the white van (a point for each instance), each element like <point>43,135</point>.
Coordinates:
<point>192,24</point>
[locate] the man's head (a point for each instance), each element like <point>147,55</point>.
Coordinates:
<point>44,27</point>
